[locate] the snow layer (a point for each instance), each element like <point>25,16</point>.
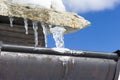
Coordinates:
<point>49,4</point>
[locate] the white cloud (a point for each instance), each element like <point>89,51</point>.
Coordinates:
<point>89,5</point>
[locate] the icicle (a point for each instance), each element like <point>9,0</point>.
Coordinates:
<point>45,33</point>
<point>11,21</point>
<point>58,33</point>
<point>26,25</point>
<point>35,28</point>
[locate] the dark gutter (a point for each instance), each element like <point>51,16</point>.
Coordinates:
<point>49,51</point>
<point>118,52</point>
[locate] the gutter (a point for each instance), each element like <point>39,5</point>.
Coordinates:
<point>24,63</point>
<point>50,51</point>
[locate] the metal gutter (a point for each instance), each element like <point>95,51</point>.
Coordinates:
<point>49,51</point>
<point>29,63</point>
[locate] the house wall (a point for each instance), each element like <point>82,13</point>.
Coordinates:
<point>16,34</point>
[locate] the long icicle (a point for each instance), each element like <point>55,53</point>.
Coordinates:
<point>44,32</point>
<point>58,33</point>
<point>35,28</point>
<point>11,19</point>
<point>26,25</point>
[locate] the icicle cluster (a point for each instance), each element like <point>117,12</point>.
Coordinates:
<point>56,31</point>
<point>35,28</point>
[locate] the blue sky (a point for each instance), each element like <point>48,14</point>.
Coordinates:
<point>103,35</point>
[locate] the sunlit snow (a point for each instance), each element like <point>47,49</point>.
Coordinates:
<point>49,4</point>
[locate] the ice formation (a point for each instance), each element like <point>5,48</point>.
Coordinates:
<point>58,33</point>
<point>64,60</point>
<point>44,32</point>
<point>26,25</point>
<point>11,19</point>
<point>35,28</point>
<point>61,50</point>
<point>54,4</point>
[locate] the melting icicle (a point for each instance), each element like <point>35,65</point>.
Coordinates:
<point>35,28</point>
<point>11,21</point>
<point>26,25</point>
<point>64,60</point>
<point>58,33</point>
<point>44,32</point>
